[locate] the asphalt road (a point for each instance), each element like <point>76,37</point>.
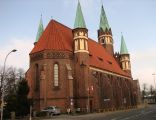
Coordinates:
<point>147,113</point>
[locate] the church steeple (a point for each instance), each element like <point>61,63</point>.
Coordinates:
<point>81,56</point>
<point>105,34</point>
<point>123,49</point>
<point>79,19</point>
<point>80,32</point>
<point>103,20</point>
<point>40,30</point>
<point>124,57</point>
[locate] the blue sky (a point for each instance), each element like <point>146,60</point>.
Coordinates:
<point>19,21</point>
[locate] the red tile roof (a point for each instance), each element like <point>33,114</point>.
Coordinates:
<point>55,37</point>
<point>59,37</point>
<point>101,59</point>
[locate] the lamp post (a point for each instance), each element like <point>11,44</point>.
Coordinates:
<point>154,85</point>
<point>2,82</point>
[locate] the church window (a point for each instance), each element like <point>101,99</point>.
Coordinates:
<point>56,74</point>
<point>76,45</point>
<point>127,66</point>
<point>81,44</point>
<point>123,65</point>
<point>107,40</point>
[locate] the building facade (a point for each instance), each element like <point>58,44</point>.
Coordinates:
<point>70,70</point>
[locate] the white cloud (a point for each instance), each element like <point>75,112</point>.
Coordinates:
<point>19,59</point>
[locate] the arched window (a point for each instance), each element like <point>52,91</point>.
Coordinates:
<point>56,75</point>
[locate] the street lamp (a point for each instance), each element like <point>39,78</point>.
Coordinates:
<point>2,82</point>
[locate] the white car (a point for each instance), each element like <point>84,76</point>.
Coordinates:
<point>52,110</point>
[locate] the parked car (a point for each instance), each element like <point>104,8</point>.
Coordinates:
<point>52,110</point>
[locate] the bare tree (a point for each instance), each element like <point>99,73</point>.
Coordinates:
<point>12,77</point>
<point>20,74</point>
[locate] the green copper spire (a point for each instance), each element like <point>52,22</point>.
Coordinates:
<point>123,49</point>
<point>40,30</point>
<point>79,20</point>
<point>103,20</point>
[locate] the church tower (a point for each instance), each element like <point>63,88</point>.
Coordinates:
<point>124,57</point>
<point>80,36</point>
<point>40,31</point>
<point>105,33</point>
<point>81,56</point>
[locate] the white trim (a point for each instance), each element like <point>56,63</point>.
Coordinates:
<point>80,37</point>
<point>81,51</point>
<point>105,36</point>
<point>127,69</point>
<point>107,72</point>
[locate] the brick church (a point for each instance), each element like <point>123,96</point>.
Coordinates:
<point>70,70</point>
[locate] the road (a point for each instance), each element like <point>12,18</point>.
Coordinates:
<point>148,113</point>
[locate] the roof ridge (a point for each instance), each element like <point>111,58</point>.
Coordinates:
<point>61,24</point>
<point>92,40</point>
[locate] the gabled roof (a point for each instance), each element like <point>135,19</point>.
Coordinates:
<point>123,48</point>
<point>40,30</point>
<point>79,19</point>
<point>103,20</point>
<point>59,37</point>
<point>55,37</point>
